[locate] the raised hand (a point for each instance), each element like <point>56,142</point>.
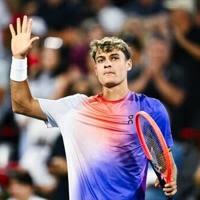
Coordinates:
<point>21,38</point>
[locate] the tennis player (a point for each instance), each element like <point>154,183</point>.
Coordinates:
<point>105,160</point>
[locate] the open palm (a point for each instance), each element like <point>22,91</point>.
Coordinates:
<point>21,38</point>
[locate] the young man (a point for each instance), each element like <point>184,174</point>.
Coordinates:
<point>105,160</point>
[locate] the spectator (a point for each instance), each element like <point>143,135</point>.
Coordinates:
<point>144,8</point>
<point>160,78</point>
<point>197,16</point>
<point>34,143</point>
<point>197,181</point>
<point>188,179</point>
<point>21,186</point>
<point>57,165</point>
<point>186,53</point>
<point>59,14</point>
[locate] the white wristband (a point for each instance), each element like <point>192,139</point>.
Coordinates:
<point>18,70</point>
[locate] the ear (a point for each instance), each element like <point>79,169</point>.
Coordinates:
<point>129,65</point>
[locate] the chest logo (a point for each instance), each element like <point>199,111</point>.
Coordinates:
<point>130,119</point>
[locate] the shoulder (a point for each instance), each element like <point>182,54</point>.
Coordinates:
<point>62,104</point>
<point>147,101</point>
<point>76,98</point>
<point>149,104</point>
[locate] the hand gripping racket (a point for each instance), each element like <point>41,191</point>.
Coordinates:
<point>154,147</point>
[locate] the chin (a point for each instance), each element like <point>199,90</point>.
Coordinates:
<point>110,84</point>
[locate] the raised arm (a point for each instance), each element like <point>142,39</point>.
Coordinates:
<point>22,100</point>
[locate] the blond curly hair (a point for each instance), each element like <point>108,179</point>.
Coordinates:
<point>108,44</point>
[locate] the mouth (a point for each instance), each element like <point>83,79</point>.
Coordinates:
<point>109,73</point>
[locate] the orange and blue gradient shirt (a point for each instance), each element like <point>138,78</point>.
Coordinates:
<point>104,157</point>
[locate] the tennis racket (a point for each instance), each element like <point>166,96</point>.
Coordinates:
<point>154,147</point>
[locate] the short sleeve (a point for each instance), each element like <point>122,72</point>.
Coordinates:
<point>161,117</point>
<point>54,109</point>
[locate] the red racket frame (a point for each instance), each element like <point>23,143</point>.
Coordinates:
<point>169,163</point>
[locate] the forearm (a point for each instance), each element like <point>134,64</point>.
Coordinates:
<point>190,47</point>
<point>197,176</point>
<point>139,84</point>
<point>170,92</point>
<point>175,171</point>
<point>20,92</point>
<point>20,96</point>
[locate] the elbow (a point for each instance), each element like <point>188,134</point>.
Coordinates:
<point>178,102</point>
<point>16,109</point>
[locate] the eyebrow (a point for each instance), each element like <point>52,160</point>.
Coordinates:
<point>112,54</point>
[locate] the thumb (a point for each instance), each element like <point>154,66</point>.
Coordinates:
<point>33,39</point>
<point>157,183</point>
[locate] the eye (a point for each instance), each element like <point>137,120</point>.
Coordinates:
<point>100,60</point>
<point>114,58</point>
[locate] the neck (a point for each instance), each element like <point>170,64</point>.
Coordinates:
<point>26,197</point>
<point>117,92</point>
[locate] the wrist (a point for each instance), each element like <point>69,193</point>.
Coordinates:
<point>18,70</point>
<point>158,75</point>
<point>19,56</point>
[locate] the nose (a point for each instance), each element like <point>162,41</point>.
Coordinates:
<point>107,64</point>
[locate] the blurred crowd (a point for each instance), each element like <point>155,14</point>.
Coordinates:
<point>164,36</point>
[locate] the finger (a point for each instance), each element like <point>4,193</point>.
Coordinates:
<point>157,184</point>
<point>171,185</point>
<point>18,25</point>
<point>33,39</point>
<point>169,189</point>
<point>29,26</point>
<point>12,30</point>
<point>171,193</point>
<point>24,24</point>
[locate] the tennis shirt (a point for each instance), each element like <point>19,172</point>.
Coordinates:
<point>105,159</point>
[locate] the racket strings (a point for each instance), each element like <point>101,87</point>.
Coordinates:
<point>154,147</point>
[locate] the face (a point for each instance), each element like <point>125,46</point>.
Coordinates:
<point>111,68</point>
<point>19,190</point>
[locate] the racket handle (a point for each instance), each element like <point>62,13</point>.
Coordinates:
<point>162,181</point>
